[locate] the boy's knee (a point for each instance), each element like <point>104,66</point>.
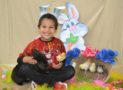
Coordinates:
<point>18,74</point>
<point>24,68</point>
<point>70,70</point>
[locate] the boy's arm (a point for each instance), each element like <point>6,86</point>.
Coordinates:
<point>63,51</point>
<point>20,60</point>
<point>27,52</point>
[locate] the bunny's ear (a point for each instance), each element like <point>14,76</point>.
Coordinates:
<point>72,11</point>
<point>62,18</point>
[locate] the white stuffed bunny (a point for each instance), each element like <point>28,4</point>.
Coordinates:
<point>72,30</point>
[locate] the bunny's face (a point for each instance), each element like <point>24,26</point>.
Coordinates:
<point>70,25</point>
<point>76,28</point>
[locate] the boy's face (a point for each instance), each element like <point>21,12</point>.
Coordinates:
<point>47,29</point>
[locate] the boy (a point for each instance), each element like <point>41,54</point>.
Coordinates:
<point>51,47</point>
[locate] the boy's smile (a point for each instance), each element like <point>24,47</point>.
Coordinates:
<point>47,29</point>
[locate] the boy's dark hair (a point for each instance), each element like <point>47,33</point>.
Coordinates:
<point>48,16</point>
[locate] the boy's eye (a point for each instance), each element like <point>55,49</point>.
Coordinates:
<point>51,27</point>
<point>44,26</point>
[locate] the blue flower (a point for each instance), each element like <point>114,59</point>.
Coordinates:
<point>68,62</point>
<point>112,54</point>
<point>107,55</point>
<point>71,54</point>
<point>75,52</point>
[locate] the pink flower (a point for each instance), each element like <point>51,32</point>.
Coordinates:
<point>89,52</point>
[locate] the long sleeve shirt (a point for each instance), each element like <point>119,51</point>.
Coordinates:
<point>50,48</point>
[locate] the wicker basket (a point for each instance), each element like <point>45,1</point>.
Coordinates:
<point>91,76</point>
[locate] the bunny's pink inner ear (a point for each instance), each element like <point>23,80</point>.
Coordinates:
<point>72,11</point>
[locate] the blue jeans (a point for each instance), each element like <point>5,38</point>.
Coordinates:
<point>25,72</point>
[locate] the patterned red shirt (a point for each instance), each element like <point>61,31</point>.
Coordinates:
<point>50,48</point>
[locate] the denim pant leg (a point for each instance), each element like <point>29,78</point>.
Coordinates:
<point>26,71</point>
<point>63,74</point>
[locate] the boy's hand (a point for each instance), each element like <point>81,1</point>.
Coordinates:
<point>57,66</point>
<point>29,59</point>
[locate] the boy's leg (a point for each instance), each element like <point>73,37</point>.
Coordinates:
<point>16,77</point>
<point>26,71</point>
<point>62,74</point>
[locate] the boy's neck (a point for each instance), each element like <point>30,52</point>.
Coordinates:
<point>46,40</point>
